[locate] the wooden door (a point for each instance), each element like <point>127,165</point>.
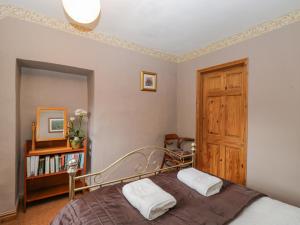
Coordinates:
<point>222,120</point>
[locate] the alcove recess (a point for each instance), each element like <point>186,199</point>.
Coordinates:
<point>42,84</point>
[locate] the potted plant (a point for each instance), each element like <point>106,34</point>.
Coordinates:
<point>76,133</point>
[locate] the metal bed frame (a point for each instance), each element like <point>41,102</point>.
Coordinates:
<point>148,161</point>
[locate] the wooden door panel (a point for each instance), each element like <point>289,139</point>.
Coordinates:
<point>234,119</point>
<point>212,159</point>
<point>220,141</point>
<point>213,116</point>
<point>213,83</point>
<point>234,164</point>
<point>233,79</point>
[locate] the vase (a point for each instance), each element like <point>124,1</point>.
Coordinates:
<point>75,143</point>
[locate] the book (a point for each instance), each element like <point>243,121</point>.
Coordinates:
<point>82,160</point>
<point>36,165</point>
<point>41,166</point>
<point>76,156</point>
<point>59,163</point>
<point>62,165</point>
<point>47,164</point>
<point>56,163</point>
<point>32,163</point>
<point>79,160</point>
<point>67,159</point>
<point>66,162</point>
<point>28,164</point>
<point>52,165</point>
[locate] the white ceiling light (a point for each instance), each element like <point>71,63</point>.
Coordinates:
<point>82,11</point>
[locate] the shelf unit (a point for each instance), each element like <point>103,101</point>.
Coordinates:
<point>49,174</point>
<point>52,184</point>
<point>50,192</point>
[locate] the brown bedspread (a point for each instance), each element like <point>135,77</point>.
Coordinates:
<point>108,206</point>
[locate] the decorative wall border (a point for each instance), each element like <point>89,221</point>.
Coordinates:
<point>253,32</point>
<point>258,30</point>
<point>31,16</point>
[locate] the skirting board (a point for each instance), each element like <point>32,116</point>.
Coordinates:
<point>10,215</point>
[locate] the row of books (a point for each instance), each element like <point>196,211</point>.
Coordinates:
<point>40,165</point>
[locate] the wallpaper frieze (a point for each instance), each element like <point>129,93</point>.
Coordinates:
<point>31,16</point>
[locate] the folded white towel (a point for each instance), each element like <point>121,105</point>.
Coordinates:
<point>148,198</point>
<point>203,183</point>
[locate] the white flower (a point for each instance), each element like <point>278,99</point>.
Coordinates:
<point>80,112</point>
<point>72,118</point>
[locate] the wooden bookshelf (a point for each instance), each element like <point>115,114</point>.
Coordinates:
<point>54,151</point>
<point>51,174</point>
<point>51,184</point>
<point>50,191</point>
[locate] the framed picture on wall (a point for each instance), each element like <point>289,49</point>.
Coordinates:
<point>55,125</point>
<point>148,81</point>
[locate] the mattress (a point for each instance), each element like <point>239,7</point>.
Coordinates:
<point>267,211</point>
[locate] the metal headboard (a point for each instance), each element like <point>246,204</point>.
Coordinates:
<point>147,161</point>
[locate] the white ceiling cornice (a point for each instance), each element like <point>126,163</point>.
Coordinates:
<point>31,16</point>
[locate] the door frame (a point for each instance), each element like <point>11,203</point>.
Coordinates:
<point>199,102</point>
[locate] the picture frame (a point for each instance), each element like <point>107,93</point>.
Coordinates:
<point>148,81</point>
<point>56,125</point>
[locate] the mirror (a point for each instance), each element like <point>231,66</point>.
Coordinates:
<point>51,124</point>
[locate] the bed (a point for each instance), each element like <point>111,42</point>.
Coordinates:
<point>105,204</point>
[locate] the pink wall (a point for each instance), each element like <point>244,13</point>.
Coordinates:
<point>274,108</point>
<point>123,116</point>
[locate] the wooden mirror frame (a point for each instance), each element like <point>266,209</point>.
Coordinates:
<point>38,111</point>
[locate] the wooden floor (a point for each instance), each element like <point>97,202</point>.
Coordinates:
<point>39,213</point>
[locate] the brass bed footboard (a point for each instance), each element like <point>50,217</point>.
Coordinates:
<point>137,164</point>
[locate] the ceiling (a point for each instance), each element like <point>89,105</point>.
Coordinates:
<point>173,26</point>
